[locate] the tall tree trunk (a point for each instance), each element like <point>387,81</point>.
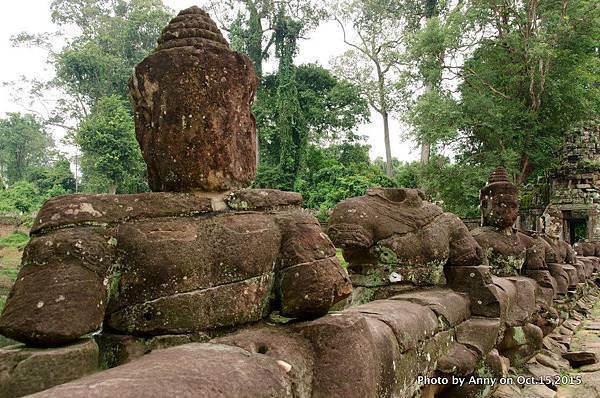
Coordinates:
<point>425,152</point>
<point>388,150</point>
<point>526,170</point>
<point>383,109</point>
<point>430,12</point>
<point>112,188</point>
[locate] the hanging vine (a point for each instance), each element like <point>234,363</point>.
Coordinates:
<point>291,126</point>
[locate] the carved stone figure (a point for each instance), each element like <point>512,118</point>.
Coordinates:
<point>560,256</point>
<point>198,260</point>
<point>505,247</point>
<point>394,240</point>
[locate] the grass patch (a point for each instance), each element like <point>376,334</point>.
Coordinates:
<point>10,258</point>
<point>343,262</point>
<point>16,239</point>
<point>4,341</point>
<point>10,273</point>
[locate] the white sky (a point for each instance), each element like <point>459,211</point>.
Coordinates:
<point>34,16</point>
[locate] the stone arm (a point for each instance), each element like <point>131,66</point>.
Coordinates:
<point>537,249</point>
<point>463,248</point>
<point>349,227</point>
<point>309,277</point>
<point>571,255</point>
<point>61,290</point>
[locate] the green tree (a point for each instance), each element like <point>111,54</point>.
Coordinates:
<point>529,82</point>
<point>253,24</point>
<point>331,108</point>
<point>374,57</point>
<point>429,49</point>
<point>526,74</point>
<point>24,144</point>
<point>338,172</point>
<point>112,160</point>
<point>22,197</point>
<point>115,36</point>
<point>290,122</point>
<point>56,176</point>
<point>95,64</point>
<point>112,37</point>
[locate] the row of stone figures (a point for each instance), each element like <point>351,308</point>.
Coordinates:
<point>241,281</point>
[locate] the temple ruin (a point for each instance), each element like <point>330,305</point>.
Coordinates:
<point>572,191</point>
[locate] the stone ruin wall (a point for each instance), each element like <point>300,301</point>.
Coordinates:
<point>574,188</point>
<point>266,332</point>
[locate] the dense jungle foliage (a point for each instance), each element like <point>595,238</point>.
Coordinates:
<point>474,83</point>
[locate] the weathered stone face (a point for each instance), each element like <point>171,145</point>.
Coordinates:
<point>498,201</point>
<point>394,240</point>
<point>552,222</point>
<point>192,100</point>
<point>500,211</point>
<point>508,251</point>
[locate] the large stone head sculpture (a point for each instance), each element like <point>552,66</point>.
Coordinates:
<point>498,200</point>
<point>192,99</point>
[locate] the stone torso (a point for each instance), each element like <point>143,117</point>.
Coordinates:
<point>506,252</point>
<point>393,240</point>
<point>166,263</point>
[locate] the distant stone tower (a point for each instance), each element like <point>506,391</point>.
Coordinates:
<point>575,188</point>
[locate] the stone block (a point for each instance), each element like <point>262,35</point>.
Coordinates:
<point>308,290</point>
<point>25,370</point>
<point>580,358</point>
<point>303,240</point>
<point>187,371</point>
<point>262,199</point>
<point>288,348</point>
<point>69,210</point>
<point>118,349</point>
<point>479,334</point>
<point>174,256</point>
<point>525,304</point>
<point>460,360</point>
<point>446,303</point>
<point>410,322</point>
<point>572,274</point>
<point>198,310</point>
<point>520,343</point>
<point>560,275</point>
<point>351,347</point>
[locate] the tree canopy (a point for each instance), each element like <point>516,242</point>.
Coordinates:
<point>112,159</point>
<point>24,144</point>
<point>475,83</point>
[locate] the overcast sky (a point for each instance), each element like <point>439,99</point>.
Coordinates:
<point>34,16</point>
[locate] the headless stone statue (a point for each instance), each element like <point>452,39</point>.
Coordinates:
<point>394,241</point>
<point>204,256</point>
